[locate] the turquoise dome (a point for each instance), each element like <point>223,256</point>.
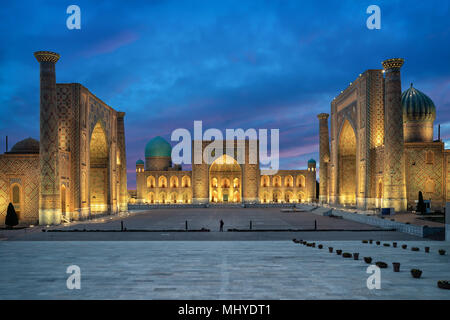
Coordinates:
<point>417,106</point>
<point>158,147</point>
<point>311,161</point>
<point>139,162</point>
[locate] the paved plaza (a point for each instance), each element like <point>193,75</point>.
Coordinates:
<point>216,270</point>
<point>267,224</point>
<point>257,264</point>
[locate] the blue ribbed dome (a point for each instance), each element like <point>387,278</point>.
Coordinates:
<point>158,147</point>
<point>139,162</point>
<point>311,161</point>
<point>417,106</point>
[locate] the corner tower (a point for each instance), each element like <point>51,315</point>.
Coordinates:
<point>49,192</point>
<point>394,193</point>
<point>324,156</point>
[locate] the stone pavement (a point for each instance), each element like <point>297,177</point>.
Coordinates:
<point>216,270</point>
<point>172,219</point>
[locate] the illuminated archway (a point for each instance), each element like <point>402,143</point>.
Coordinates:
<point>265,181</point>
<point>301,181</point>
<point>225,180</point>
<point>151,182</point>
<point>277,181</point>
<point>174,182</point>
<point>186,182</point>
<point>63,199</point>
<point>162,182</point>
<point>347,165</point>
<point>98,173</point>
<point>16,198</point>
<point>288,181</point>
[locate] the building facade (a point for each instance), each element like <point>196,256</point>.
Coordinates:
<point>380,150</point>
<point>158,181</point>
<point>78,167</point>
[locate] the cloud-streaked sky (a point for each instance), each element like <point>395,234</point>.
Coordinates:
<point>232,64</point>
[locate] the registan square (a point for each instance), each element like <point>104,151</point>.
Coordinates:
<point>239,150</point>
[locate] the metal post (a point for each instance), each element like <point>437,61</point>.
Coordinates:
<point>250,224</point>
<point>121,225</point>
<point>186,225</point>
<point>315,224</point>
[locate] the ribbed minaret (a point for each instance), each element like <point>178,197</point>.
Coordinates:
<point>324,150</point>
<point>394,191</point>
<point>49,190</point>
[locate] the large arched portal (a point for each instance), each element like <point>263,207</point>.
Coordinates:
<point>98,173</point>
<point>347,165</point>
<point>225,180</point>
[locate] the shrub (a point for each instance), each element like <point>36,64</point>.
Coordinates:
<point>381,264</point>
<point>378,243</point>
<point>421,204</point>
<point>386,244</point>
<point>416,273</point>
<point>365,241</point>
<point>427,249</point>
<point>443,284</point>
<point>356,256</point>
<point>441,252</point>
<point>415,249</point>
<point>330,249</point>
<point>404,246</point>
<point>320,246</point>
<point>347,255</point>
<point>11,219</point>
<point>367,259</point>
<point>339,252</point>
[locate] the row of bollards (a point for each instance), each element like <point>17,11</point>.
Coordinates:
<point>415,273</point>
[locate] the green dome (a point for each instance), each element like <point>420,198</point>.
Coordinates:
<point>139,162</point>
<point>311,161</point>
<point>417,106</point>
<point>158,147</point>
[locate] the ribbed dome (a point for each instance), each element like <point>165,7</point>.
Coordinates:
<point>28,145</point>
<point>417,106</point>
<point>140,161</point>
<point>158,147</point>
<point>311,161</point>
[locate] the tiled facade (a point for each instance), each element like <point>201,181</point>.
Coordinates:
<point>80,168</point>
<point>377,158</point>
<point>226,182</point>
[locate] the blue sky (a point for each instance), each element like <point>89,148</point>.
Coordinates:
<point>232,64</point>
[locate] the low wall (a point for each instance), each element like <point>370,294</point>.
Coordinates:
<point>419,231</point>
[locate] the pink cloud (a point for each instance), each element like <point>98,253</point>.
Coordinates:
<point>112,43</point>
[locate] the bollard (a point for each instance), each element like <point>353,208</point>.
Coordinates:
<point>315,224</point>
<point>186,225</point>
<point>250,224</point>
<point>121,225</point>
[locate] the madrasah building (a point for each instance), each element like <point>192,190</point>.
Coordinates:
<point>379,151</point>
<point>224,181</point>
<point>77,169</point>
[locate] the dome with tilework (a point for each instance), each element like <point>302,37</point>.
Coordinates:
<point>158,147</point>
<point>139,162</point>
<point>26,146</point>
<point>417,106</point>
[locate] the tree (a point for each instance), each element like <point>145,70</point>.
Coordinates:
<point>421,204</point>
<point>11,219</point>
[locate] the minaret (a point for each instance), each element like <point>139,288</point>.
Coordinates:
<point>324,150</point>
<point>394,191</point>
<point>49,189</point>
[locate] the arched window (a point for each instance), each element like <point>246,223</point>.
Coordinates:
<point>265,181</point>
<point>162,182</point>
<point>151,182</point>
<point>186,182</point>
<point>225,183</point>
<point>277,181</point>
<point>289,181</point>
<point>214,182</point>
<point>174,182</point>
<point>236,183</point>
<point>301,181</point>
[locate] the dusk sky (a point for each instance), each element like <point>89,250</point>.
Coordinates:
<point>232,64</point>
